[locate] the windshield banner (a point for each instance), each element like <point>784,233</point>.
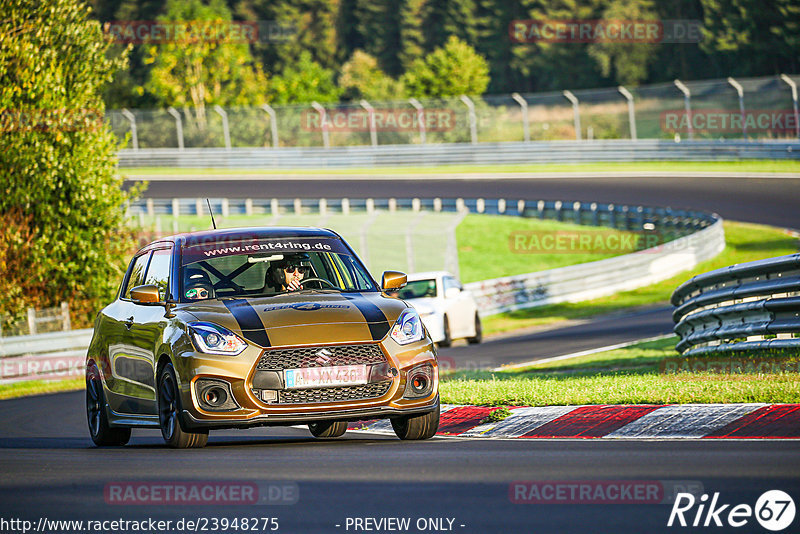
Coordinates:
<point>216,247</point>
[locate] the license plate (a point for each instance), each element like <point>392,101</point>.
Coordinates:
<point>315,377</point>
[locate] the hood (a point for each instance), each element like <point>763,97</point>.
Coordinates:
<point>306,318</point>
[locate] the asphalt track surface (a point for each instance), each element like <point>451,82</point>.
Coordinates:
<point>760,200</point>
<point>51,470</point>
<point>547,343</point>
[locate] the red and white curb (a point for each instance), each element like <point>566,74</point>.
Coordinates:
<point>679,421</point>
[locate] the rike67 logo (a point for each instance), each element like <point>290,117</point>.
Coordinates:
<point>774,510</point>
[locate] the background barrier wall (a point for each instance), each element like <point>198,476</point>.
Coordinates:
<point>459,154</point>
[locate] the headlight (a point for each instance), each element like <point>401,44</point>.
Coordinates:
<point>214,339</point>
<point>408,328</point>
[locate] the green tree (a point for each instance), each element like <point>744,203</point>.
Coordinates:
<point>362,78</point>
<point>453,70</point>
<point>304,82</point>
<point>752,37</point>
<point>626,63</point>
<point>62,232</point>
<point>204,72</point>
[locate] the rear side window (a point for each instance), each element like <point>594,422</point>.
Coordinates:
<point>158,271</point>
<point>136,277</point>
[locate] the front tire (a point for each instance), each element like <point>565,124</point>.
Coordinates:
<point>478,337</point>
<point>328,429</point>
<point>101,433</point>
<point>417,426</point>
<point>169,409</point>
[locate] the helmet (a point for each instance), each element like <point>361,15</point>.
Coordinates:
<point>197,284</point>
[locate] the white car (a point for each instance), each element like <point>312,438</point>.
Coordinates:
<point>448,311</point>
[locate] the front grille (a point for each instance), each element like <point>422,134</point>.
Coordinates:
<point>279,359</point>
<point>334,394</point>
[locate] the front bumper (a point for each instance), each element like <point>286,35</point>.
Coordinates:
<point>357,414</point>
<point>251,411</point>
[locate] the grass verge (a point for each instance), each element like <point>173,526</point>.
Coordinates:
<point>37,387</point>
<point>685,166</point>
<point>745,242</point>
<point>646,373</point>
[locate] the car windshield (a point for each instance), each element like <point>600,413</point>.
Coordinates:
<point>266,267</point>
<point>418,289</point>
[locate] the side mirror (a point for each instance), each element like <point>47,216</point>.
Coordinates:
<point>452,292</point>
<point>145,294</point>
<point>393,280</point>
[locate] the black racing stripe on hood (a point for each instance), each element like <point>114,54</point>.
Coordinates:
<point>376,320</point>
<point>248,320</point>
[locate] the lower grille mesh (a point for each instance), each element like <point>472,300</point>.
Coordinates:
<point>334,394</point>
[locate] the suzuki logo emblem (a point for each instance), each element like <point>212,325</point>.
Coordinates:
<point>324,357</point>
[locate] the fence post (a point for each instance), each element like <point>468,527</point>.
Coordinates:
<point>631,113</point>
<point>740,91</point>
<point>176,207</point>
<point>576,113</point>
<point>226,133</point>
<point>525,120</point>
<point>66,324</point>
<point>273,123</point>
<point>323,121</point>
<point>373,133</point>
<point>687,104</point>
<point>178,125</point>
<point>134,132</point>
<point>420,118</point>
<point>32,321</point>
<point>473,120</point>
<point>791,83</point>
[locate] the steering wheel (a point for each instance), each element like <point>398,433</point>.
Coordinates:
<point>315,279</point>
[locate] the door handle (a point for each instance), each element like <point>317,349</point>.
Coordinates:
<point>129,322</point>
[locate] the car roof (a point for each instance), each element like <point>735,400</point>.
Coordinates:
<point>427,274</point>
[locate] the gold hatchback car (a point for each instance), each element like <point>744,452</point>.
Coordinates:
<point>257,326</point>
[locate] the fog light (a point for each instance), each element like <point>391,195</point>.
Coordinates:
<point>215,395</point>
<point>419,382</point>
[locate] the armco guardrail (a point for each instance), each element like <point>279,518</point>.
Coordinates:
<point>605,277</point>
<point>745,307</point>
<point>459,153</point>
<point>55,355</point>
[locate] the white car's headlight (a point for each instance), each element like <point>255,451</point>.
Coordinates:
<point>408,327</point>
<point>215,339</point>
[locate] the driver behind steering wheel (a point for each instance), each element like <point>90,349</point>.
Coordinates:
<point>288,273</point>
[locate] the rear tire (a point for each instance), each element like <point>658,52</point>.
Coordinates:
<point>447,340</point>
<point>101,433</point>
<point>327,429</point>
<point>169,409</point>
<point>478,337</point>
<point>417,426</point>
